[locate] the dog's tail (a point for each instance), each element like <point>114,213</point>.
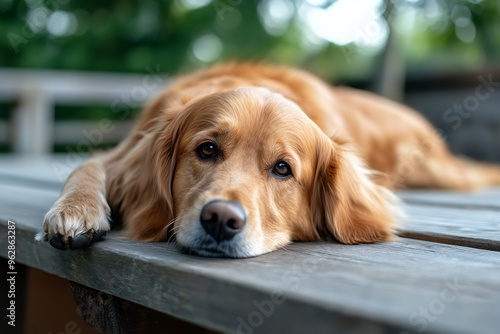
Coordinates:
<point>445,171</point>
<point>479,174</point>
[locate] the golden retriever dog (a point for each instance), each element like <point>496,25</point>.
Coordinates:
<point>241,159</point>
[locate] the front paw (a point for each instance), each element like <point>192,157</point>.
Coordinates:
<point>76,220</point>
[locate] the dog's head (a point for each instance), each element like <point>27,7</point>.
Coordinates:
<point>245,172</point>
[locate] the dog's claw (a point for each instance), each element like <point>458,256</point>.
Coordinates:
<point>57,242</point>
<point>79,241</point>
<point>98,235</point>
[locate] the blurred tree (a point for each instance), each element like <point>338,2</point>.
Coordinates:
<point>444,35</point>
<point>128,35</point>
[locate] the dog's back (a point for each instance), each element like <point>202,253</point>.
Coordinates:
<point>390,137</point>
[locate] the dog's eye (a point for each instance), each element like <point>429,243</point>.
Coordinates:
<point>207,151</point>
<point>282,169</point>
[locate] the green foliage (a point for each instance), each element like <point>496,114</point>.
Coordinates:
<point>128,35</point>
<point>454,35</point>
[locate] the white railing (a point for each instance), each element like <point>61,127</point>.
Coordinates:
<point>34,93</point>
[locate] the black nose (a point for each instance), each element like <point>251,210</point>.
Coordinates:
<point>223,219</point>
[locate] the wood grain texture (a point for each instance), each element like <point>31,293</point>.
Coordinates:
<point>54,168</point>
<point>327,287</point>
<point>478,228</point>
<point>112,315</point>
<point>486,199</point>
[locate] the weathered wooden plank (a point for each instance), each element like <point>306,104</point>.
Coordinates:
<point>486,198</point>
<point>51,169</point>
<point>21,199</point>
<point>112,315</point>
<point>479,228</point>
<point>405,285</point>
<point>372,285</point>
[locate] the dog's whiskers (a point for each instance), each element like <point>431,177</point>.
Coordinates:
<point>171,229</point>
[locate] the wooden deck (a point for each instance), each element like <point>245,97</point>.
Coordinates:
<point>441,276</point>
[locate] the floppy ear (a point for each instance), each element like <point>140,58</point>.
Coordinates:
<point>170,128</point>
<point>141,173</point>
<point>346,202</point>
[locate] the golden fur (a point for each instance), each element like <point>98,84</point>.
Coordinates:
<point>346,149</point>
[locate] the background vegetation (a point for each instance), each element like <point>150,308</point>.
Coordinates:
<point>340,40</point>
<point>128,35</point>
